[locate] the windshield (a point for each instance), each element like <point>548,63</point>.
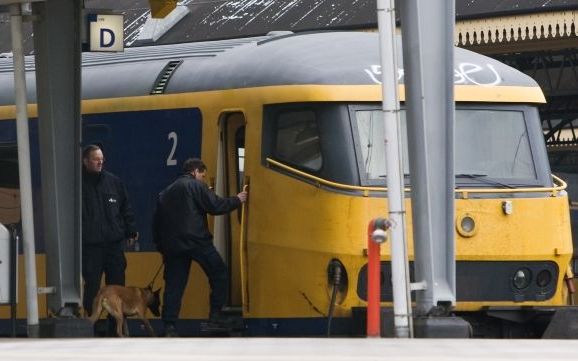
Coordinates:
<point>488,143</point>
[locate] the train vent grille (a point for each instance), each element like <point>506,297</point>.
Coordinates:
<point>164,77</point>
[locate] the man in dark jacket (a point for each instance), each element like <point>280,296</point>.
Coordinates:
<point>107,221</point>
<point>182,235</point>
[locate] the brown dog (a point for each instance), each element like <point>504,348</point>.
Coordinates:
<point>120,301</point>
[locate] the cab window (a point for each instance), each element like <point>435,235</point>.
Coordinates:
<point>297,139</point>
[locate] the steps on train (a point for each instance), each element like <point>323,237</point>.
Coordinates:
<point>229,323</point>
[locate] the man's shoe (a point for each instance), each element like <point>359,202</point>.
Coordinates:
<point>171,331</point>
<point>220,320</point>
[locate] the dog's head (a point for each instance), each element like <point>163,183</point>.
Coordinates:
<point>153,300</point>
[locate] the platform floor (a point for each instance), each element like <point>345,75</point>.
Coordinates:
<point>296,349</point>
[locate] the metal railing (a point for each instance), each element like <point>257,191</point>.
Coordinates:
<point>559,184</point>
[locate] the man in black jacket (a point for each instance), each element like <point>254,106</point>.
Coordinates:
<point>182,235</point>
<point>107,221</point>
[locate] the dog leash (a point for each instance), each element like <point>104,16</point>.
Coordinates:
<point>155,277</point>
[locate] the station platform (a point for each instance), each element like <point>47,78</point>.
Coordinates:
<point>283,349</point>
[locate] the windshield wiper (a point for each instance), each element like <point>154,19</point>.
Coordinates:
<point>483,178</point>
<point>405,175</point>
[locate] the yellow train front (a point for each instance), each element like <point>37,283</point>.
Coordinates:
<point>297,118</point>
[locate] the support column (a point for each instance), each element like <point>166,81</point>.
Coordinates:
<point>57,43</point>
<point>395,179</point>
<point>428,58</point>
<point>24,171</point>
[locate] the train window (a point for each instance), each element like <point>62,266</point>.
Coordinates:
<point>493,143</point>
<point>297,139</point>
<point>371,133</point>
<point>490,143</point>
<point>9,184</point>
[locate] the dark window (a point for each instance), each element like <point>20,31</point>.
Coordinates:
<point>297,139</point>
<point>240,156</point>
<point>312,137</point>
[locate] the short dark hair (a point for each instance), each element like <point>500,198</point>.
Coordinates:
<point>192,164</point>
<point>89,149</point>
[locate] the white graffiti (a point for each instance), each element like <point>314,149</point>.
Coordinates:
<point>376,70</point>
<point>464,73</point>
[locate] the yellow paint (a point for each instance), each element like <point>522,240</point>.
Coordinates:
<point>41,281</point>
<point>312,226</point>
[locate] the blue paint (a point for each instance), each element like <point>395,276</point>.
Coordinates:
<point>136,147</point>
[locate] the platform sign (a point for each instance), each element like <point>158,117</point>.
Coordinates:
<point>106,32</point>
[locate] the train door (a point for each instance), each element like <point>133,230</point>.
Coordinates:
<point>233,164</point>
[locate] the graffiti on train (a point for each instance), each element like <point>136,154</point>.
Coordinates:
<point>464,73</point>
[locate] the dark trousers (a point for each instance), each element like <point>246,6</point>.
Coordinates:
<point>177,274</point>
<point>107,258</point>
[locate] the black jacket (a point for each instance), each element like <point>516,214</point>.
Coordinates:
<point>180,220</point>
<point>106,212</point>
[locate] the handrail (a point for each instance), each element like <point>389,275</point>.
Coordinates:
<point>325,182</point>
<point>244,265</point>
<point>561,185</point>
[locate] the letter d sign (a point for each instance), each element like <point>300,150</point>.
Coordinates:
<point>106,33</point>
<point>106,38</point>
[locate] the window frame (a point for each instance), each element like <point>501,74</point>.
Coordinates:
<point>535,138</point>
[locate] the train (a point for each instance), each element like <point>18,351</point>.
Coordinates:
<point>297,117</point>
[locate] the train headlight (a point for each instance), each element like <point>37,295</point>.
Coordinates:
<point>466,225</point>
<point>522,278</point>
<point>543,278</point>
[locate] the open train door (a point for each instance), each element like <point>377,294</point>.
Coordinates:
<point>232,164</point>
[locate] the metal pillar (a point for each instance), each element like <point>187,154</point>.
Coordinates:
<point>427,32</point>
<point>57,43</point>
<point>395,182</point>
<point>24,170</point>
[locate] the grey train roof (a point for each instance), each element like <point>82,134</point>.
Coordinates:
<point>344,58</point>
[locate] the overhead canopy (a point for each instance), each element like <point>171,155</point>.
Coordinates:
<point>527,32</point>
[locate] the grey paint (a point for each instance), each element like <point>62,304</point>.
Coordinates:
<point>288,59</point>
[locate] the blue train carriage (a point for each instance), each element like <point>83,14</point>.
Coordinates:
<point>298,119</point>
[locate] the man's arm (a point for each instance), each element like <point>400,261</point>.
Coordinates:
<point>127,215</point>
<point>212,203</point>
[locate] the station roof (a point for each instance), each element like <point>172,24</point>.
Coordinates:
<point>326,57</point>
<point>480,22</point>
<point>499,26</point>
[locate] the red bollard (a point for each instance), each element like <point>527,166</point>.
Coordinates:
<point>376,234</point>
